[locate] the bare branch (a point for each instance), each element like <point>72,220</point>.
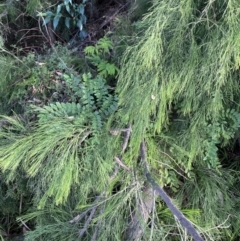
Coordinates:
<point>116,132</point>
<point>84,229</point>
<point>175,211</point>
<point>25,225</point>
<point>84,137</point>
<point>126,139</point>
<point>121,163</point>
<point>82,215</point>
<point>141,215</point>
<point>95,235</point>
<point>79,217</point>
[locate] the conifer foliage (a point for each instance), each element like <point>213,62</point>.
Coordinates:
<point>179,87</point>
<point>90,163</point>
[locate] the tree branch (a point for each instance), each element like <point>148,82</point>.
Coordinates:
<point>118,160</point>
<point>86,224</point>
<point>126,139</point>
<point>141,215</point>
<point>182,219</point>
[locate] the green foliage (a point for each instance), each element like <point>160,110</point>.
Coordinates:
<point>94,103</point>
<point>213,194</point>
<point>64,110</point>
<point>115,209</point>
<point>139,8</point>
<point>98,54</point>
<point>65,158</point>
<point>92,93</point>
<point>169,70</point>
<point>181,96</point>
<point>58,161</point>
<point>71,126</point>
<point>36,79</point>
<point>72,14</point>
<point>219,134</point>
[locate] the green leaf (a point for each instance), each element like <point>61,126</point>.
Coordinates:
<point>46,20</point>
<point>68,9</point>
<point>89,50</point>
<point>67,22</point>
<point>79,24</point>
<point>56,21</point>
<point>80,9</point>
<point>105,44</point>
<point>59,7</point>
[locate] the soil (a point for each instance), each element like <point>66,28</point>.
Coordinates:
<point>31,36</point>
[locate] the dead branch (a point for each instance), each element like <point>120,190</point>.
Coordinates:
<point>79,217</point>
<point>126,139</point>
<point>175,211</point>
<point>116,132</point>
<point>84,137</point>
<point>84,229</point>
<point>118,160</point>
<point>141,215</point>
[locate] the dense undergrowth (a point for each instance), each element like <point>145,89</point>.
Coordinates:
<point>75,109</point>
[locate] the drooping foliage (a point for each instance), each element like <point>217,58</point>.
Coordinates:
<point>70,157</point>
<point>179,88</point>
<point>182,76</point>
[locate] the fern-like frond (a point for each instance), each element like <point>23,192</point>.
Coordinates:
<point>63,110</point>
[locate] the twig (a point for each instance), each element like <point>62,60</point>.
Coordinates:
<point>116,132</point>
<point>126,139</point>
<point>124,146</point>
<point>20,204</point>
<point>5,13</point>
<point>114,174</point>
<point>25,225</point>
<point>141,215</point>
<point>84,229</point>
<point>153,216</point>
<point>173,161</point>
<point>94,237</point>
<point>182,219</point>
<point>84,137</point>
<point>121,163</point>
<point>78,217</point>
<point>220,225</point>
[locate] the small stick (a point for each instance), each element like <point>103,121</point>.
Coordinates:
<point>121,163</point>
<point>84,229</point>
<point>126,139</point>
